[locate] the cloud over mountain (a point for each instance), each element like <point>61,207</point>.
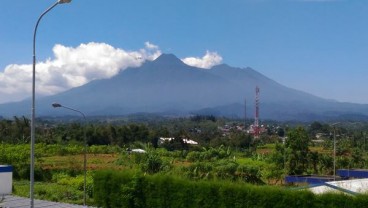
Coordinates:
<point>167,86</point>
<point>71,67</point>
<point>75,66</point>
<point>209,60</point>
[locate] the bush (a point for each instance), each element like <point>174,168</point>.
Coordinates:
<point>226,169</point>
<point>193,156</point>
<point>152,163</point>
<point>250,174</point>
<point>132,189</point>
<point>198,170</point>
<point>77,182</point>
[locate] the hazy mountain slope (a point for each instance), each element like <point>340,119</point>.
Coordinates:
<point>271,91</point>
<point>167,85</point>
<point>280,102</point>
<point>156,86</point>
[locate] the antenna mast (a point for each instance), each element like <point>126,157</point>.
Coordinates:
<point>245,113</point>
<point>256,119</point>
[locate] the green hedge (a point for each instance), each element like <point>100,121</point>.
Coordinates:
<point>133,190</point>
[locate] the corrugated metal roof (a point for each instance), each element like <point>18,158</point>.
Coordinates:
<point>10,201</point>
<point>356,186</point>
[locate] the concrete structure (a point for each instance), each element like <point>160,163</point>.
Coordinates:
<point>6,179</point>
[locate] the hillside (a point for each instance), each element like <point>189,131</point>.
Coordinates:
<point>167,86</point>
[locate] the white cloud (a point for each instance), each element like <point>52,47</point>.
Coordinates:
<point>151,46</point>
<point>75,66</point>
<point>209,60</point>
<point>71,67</point>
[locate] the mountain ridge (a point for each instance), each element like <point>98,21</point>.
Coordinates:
<point>167,84</point>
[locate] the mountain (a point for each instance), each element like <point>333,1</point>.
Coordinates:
<point>168,86</point>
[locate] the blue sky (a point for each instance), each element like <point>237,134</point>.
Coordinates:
<point>317,46</point>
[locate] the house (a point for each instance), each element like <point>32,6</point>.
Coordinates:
<point>168,139</point>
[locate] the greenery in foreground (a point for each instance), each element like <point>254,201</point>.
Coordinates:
<point>231,156</point>
<point>135,190</point>
<point>64,189</point>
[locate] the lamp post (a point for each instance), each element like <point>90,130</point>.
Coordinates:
<point>364,147</point>
<point>334,150</point>
<point>33,100</point>
<point>58,105</point>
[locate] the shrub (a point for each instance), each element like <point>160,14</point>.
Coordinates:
<point>250,174</point>
<point>152,163</point>
<point>133,190</point>
<point>226,169</point>
<point>193,156</point>
<point>198,170</point>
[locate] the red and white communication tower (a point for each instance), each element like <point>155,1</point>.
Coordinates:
<point>256,127</point>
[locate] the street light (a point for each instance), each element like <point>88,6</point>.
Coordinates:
<point>58,105</point>
<point>334,150</point>
<point>33,101</point>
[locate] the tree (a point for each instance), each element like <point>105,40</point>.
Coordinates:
<point>316,126</point>
<point>357,158</point>
<point>313,158</point>
<point>280,132</point>
<point>325,164</point>
<point>276,168</point>
<point>298,142</point>
<point>240,140</point>
<point>21,129</point>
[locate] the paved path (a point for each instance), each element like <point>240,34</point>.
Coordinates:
<point>11,201</point>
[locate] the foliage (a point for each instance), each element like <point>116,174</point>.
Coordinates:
<point>76,183</point>
<point>131,189</point>
<point>51,191</point>
<point>273,173</point>
<point>210,154</point>
<point>198,170</point>
<point>231,156</point>
<point>250,174</point>
<point>326,164</point>
<point>226,169</point>
<point>151,163</point>
<point>298,143</point>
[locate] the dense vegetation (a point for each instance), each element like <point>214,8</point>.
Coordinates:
<point>132,190</point>
<point>226,152</point>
